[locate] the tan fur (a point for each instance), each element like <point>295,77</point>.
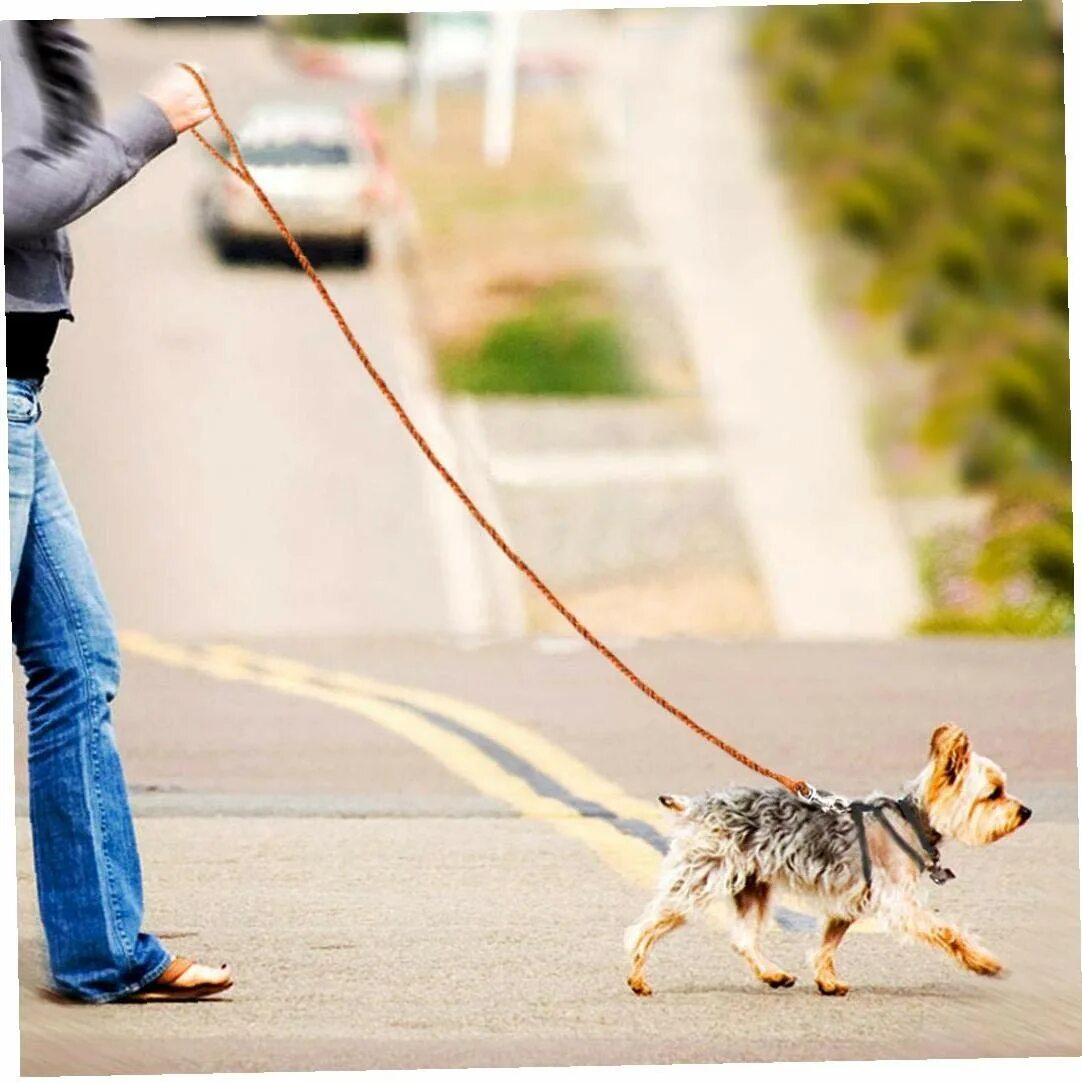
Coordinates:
<point>825,977</point>
<point>647,937</point>
<point>965,795</point>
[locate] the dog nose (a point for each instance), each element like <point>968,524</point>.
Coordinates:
<point>1024,814</point>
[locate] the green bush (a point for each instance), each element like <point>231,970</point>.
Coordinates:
<point>865,213</point>
<point>971,145</point>
<point>1051,550</point>
<point>560,345</point>
<point>1019,214</point>
<point>961,259</point>
<point>915,55</point>
<point>932,136</point>
<point>1055,285</point>
<point>1050,617</point>
<point>370,26</point>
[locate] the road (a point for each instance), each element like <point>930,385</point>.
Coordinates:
<point>417,854</point>
<point>232,467</point>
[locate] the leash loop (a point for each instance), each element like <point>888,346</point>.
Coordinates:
<point>239,168</point>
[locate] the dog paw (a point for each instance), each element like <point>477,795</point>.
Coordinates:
<point>985,965</point>
<point>780,980</point>
<point>639,987</point>
<point>832,988</point>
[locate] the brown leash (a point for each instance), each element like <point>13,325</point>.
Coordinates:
<point>239,168</point>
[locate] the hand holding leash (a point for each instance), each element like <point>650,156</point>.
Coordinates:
<point>180,97</point>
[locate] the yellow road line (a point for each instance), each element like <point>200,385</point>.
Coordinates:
<point>631,857</point>
<point>554,761</point>
<point>550,758</point>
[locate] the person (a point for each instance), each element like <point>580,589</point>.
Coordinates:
<point>60,160</point>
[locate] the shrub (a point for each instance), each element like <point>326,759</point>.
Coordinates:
<point>971,145</point>
<point>1018,213</point>
<point>865,213</point>
<point>1055,285</point>
<point>1051,552</point>
<point>557,346</point>
<point>371,26</point>
<point>932,136</point>
<point>915,55</point>
<point>961,260</point>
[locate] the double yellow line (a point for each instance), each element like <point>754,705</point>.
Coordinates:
<point>402,711</point>
<point>470,743</point>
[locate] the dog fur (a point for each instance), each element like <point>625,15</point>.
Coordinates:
<point>741,844</point>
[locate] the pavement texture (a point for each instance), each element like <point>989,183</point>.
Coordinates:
<point>422,854</point>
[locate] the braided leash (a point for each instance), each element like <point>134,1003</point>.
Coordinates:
<point>239,168</point>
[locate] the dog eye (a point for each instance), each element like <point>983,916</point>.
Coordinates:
<point>996,794</point>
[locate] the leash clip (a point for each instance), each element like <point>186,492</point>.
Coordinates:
<point>826,800</point>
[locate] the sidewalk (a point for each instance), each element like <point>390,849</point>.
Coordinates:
<point>787,407</point>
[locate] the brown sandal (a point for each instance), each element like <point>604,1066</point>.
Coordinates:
<point>169,985</point>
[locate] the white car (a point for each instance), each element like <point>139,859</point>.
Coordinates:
<point>318,165</point>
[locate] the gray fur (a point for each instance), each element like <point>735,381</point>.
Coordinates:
<point>728,840</point>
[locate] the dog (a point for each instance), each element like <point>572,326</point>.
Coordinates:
<point>848,859</point>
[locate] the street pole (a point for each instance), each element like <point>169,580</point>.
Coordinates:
<point>423,84</point>
<point>500,87</point>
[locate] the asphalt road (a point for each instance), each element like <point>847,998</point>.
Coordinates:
<point>403,879</point>
<point>232,466</point>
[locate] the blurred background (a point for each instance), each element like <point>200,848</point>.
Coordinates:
<point>740,323</point>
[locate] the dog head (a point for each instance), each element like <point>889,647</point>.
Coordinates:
<point>965,795</point>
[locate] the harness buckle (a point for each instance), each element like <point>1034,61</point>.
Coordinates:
<point>939,875</point>
<point>826,800</point>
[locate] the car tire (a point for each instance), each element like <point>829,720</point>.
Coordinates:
<point>360,250</point>
<point>230,250</point>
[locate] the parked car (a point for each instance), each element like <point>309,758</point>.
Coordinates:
<point>321,166</point>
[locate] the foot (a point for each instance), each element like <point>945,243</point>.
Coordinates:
<point>831,987</point>
<point>639,987</point>
<point>183,979</point>
<point>779,979</point>
<point>980,962</point>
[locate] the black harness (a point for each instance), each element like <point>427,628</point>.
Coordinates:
<point>928,861</point>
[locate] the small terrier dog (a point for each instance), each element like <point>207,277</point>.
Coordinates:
<point>743,843</point>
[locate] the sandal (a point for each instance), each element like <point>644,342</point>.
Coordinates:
<point>171,983</point>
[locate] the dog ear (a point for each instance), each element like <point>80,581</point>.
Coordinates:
<point>950,750</point>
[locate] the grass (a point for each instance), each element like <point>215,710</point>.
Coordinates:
<point>510,291</point>
<point>371,26</point>
<point>557,346</point>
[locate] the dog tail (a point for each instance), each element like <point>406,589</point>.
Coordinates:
<point>675,802</point>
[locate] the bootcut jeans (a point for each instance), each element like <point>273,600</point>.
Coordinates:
<point>89,881</point>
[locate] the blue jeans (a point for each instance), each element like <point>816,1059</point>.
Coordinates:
<point>90,891</point>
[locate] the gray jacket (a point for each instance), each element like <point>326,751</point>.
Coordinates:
<point>48,184</point>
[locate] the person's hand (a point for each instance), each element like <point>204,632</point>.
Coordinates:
<point>178,96</point>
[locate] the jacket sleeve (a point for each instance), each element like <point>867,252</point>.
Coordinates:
<point>46,189</point>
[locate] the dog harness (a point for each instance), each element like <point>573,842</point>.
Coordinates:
<point>927,862</point>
